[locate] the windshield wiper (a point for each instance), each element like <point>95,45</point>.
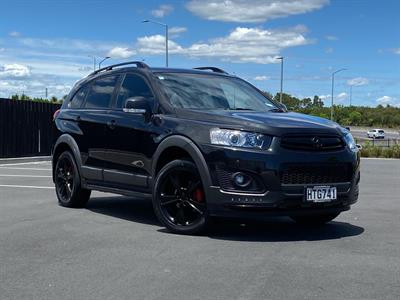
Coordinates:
<point>277,110</point>
<point>240,108</point>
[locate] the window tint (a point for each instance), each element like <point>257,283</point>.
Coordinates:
<point>77,100</point>
<point>101,92</point>
<point>133,86</point>
<point>198,91</point>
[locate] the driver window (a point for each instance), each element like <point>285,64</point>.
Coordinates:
<point>133,86</point>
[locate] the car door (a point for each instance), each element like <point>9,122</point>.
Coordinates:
<point>132,141</point>
<point>93,122</point>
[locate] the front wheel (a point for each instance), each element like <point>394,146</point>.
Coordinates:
<point>179,199</point>
<point>314,219</point>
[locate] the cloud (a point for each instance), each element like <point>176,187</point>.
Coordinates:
<point>162,11</point>
<point>396,50</point>
<point>155,44</point>
<point>70,45</point>
<point>242,45</point>
<point>176,31</point>
<point>261,78</point>
<point>384,100</point>
<point>325,97</point>
<point>14,34</point>
<point>120,52</point>
<point>251,11</point>
<point>331,38</point>
<point>341,97</point>
<point>15,71</point>
<point>329,50</point>
<point>358,81</point>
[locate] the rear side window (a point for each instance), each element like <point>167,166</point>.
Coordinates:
<point>101,92</point>
<point>79,97</point>
<point>133,86</point>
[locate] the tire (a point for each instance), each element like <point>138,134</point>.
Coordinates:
<point>68,182</point>
<point>314,219</point>
<point>179,199</point>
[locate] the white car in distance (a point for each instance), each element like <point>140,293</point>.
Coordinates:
<point>376,134</point>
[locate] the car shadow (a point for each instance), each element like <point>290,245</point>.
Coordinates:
<point>277,229</point>
<point>281,229</point>
<point>126,208</point>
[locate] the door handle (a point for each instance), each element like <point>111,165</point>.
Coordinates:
<point>78,118</point>
<point>111,124</point>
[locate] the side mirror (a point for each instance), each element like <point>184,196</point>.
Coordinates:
<point>137,105</point>
<point>282,106</point>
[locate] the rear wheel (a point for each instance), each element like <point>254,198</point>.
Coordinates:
<point>314,220</point>
<point>68,182</point>
<point>179,198</point>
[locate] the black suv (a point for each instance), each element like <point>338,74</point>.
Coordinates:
<point>200,143</point>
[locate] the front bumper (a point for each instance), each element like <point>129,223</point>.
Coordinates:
<point>276,197</point>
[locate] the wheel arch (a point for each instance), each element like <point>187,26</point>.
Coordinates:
<point>187,146</point>
<point>66,142</point>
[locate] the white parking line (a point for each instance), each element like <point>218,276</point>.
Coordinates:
<point>380,158</point>
<point>27,163</point>
<point>27,186</point>
<point>17,168</point>
<point>29,176</point>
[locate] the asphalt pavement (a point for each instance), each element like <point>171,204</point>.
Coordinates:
<point>116,249</point>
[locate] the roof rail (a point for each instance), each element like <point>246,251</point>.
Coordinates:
<point>214,69</point>
<point>139,64</point>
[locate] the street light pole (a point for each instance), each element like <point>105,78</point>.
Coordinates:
<point>281,93</point>
<point>333,83</point>
<point>105,58</point>
<point>94,61</point>
<point>351,93</point>
<point>166,37</point>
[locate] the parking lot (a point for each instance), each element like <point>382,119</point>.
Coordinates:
<point>116,249</point>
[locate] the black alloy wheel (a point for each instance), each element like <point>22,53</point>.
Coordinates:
<point>179,198</point>
<point>67,182</point>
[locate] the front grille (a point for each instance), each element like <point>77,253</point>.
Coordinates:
<point>316,174</point>
<point>312,142</point>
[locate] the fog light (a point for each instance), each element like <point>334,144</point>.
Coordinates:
<point>240,179</point>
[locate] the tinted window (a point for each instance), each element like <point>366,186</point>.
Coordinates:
<point>101,92</point>
<point>77,100</point>
<point>197,91</point>
<point>133,86</point>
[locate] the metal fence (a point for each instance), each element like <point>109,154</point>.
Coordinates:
<point>379,142</point>
<point>26,128</point>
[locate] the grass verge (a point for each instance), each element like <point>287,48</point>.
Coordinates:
<point>369,150</point>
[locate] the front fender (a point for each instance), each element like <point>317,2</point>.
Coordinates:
<point>191,148</point>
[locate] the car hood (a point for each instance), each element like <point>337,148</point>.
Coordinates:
<point>276,123</point>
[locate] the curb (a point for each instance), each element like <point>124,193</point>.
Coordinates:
<point>379,158</point>
<point>5,161</point>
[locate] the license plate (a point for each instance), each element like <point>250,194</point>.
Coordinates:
<point>321,194</point>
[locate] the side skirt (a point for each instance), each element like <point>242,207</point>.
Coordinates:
<point>118,191</point>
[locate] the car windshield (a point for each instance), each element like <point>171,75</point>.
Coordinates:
<point>201,91</point>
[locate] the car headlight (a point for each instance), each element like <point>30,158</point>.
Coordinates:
<point>236,138</point>
<point>351,143</point>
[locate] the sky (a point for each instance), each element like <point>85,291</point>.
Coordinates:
<point>51,43</point>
